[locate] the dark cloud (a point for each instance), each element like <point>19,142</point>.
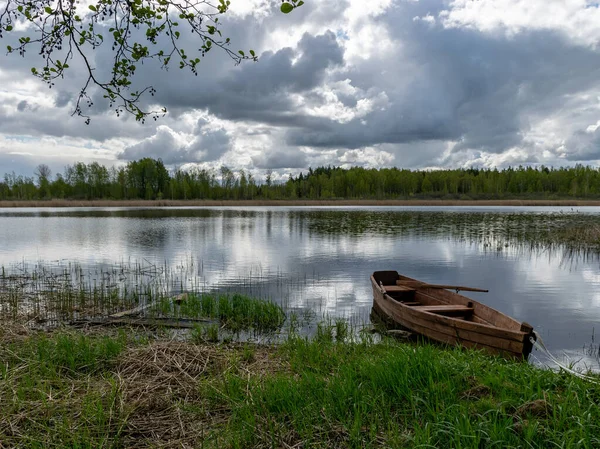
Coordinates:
<point>206,146</point>
<point>20,164</point>
<point>287,158</point>
<point>63,98</point>
<point>583,146</point>
<point>39,121</point>
<point>465,86</point>
<point>210,145</point>
<point>261,92</point>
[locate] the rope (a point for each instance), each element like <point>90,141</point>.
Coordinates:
<point>539,343</point>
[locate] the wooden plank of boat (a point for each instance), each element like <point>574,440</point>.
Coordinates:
<point>450,309</point>
<point>434,326</point>
<point>460,340</point>
<point>481,328</point>
<point>398,288</point>
<point>511,351</point>
<point>495,318</point>
<point>482,312</point>
<point>461,334</point>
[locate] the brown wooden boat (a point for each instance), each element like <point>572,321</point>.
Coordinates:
<point>447,317</point>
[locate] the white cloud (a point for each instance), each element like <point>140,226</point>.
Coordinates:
<point>575,19</point>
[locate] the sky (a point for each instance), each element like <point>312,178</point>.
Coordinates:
<point>419,84</point>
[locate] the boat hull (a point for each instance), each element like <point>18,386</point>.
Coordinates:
<point>481,328</point>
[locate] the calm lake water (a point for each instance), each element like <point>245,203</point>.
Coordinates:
<point>321,258</point>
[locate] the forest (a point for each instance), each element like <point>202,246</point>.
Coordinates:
<point>149,179</point>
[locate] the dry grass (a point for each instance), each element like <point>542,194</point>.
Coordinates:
<point>11,332</point>
<point>162,387</point>
<point>589,234</point>
<point>151,395</point>
<point>341,202</point>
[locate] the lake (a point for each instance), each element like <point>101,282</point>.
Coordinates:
<point>320,258</point>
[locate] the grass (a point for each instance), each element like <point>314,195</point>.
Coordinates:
<point>235,312</point>
<point>393,395</point>
<point>55,292</point>
<point>572,232</point>
<point>54,393</point>
<point>119,390</point>
<point>577,235</point>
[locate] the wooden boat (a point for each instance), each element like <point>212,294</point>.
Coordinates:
<point>447,317</point>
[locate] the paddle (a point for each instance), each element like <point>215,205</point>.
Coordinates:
<point>419,284</point>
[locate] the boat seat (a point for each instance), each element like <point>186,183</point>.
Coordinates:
<point>448,310</point>
<point>400,293</point>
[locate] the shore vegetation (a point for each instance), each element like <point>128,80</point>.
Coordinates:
<point>125,388</point>
<point>149,179</point>
<point>95,357</point>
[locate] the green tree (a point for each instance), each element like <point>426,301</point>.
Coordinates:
<point>426,186</point>
<point>43,173</point>
<point>59,188</point>
<point>135,30</point>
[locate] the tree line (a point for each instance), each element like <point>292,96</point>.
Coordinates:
<point>149,179</point>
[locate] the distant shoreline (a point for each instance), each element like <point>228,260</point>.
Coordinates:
<point>275,203</point>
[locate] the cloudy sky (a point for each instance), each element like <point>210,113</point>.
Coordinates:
<point>407,83</point>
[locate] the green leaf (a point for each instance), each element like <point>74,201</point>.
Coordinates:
<point>9,48</point>
<point>287,8</point>
<point>8,28</point>
<point>48,10</point>
<point>93,8</point>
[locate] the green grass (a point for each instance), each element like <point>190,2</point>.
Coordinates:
<point>118,390</point>
<point>395,395</point>
<point>60,292</point>
<point>55,391</point>
<point>63,353</point>
<point>235,312</point>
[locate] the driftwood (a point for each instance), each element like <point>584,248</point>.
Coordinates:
<point>143,322</point>
<point>139,309</point>
<point>130,318</point>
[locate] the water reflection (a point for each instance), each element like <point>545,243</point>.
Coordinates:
<point>320,259</point>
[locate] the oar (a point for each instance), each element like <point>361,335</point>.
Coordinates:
<point>418,284</point>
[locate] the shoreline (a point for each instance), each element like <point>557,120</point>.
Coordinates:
<point>97,388</point>
<point>280,203</point>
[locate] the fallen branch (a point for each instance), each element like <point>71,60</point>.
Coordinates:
<point>144,322</point>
